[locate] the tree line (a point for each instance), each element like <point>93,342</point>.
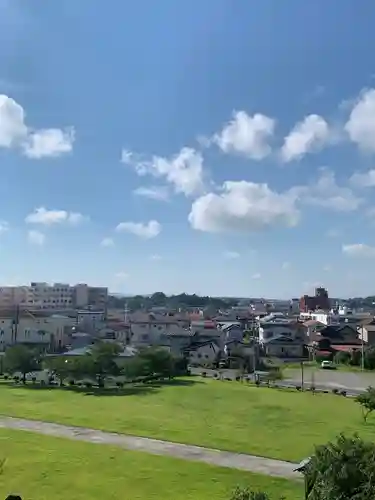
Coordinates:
<point>101,362</point>
<point>160,299</point>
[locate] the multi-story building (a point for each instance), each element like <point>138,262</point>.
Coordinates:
<point>38,328</point>
<point>319,301</point>
<point>58,297</point>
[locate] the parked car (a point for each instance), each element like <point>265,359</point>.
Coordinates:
<point>328,365</point>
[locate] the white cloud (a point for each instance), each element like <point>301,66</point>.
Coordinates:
<point>247,135</point>
<point>12,127</point>
<point>49,142</point>
<point>359,250</point>
<point>333,233</point>
<point>326,193</point>
<point>36,238</point>
<point>256,276</point>
<point>361,123</point>
<point>309,135</point>
<point>14,133</point>
<point>183,171</point>
<point>147,230</point>
<point>107,242</point>
<point>243,206</point>
<point>159,193</point>
<point>363,180</point>
<point>285,266</point>
<point>155,257</point>
<point>50,217</point>
<point>231,255</point>
<point>4,226</point>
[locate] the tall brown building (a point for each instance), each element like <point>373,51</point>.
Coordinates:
<point>319,301</point>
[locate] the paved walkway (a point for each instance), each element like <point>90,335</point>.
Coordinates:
<point>240,461</point>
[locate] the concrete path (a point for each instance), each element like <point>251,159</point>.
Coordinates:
<point>240,461</point>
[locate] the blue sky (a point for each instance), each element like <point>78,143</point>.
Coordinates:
<point>220,148</point>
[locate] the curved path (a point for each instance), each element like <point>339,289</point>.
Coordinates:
<point>240,461</point>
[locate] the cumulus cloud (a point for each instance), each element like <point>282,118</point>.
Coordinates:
<point>326,193</point>
<point>363,179</point>
<point>183,171</point>
<point>309,135</point>
<point>146,230</point>
<point>47,217</point>
<point>361,123</point>
<point>49,142</point>
<point>36,238</point>
<point>14,133</point>
<point>247,135</point>
<point>359,250</point>
<point>243,206</point>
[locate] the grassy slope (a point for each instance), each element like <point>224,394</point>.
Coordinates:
<point>225,415</point>
<point>45,468</point>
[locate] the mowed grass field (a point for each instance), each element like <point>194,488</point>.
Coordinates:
<point>46,468</point>
<point>225,415</point>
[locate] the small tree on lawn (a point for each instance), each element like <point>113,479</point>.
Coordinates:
<point>101,362</point>
<point>61,367</point>
<point>367,402</point>
<point>342,470</point>
<point>20,358</point>
<point>247,494</point>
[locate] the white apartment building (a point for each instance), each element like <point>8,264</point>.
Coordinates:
<point>58,296</point>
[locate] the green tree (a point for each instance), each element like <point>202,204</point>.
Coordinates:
<point>20,358</point>
<point>159,362</point>
<point>101,361</point>
<point>152,362</point>
<point>367,402</point>
<point>61,367</point>
<point>342,470</point>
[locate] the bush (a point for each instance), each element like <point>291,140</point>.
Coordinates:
<point>6,377</point>
<point>335,391</point>
<point>343,393</point>
<point>88,385</point>
<point>120,385</point>
<point>238,379</point>
<point>71,382</point>
<point>257,383</point>
<point>33,380</point>
<point>204,374</point>
<point>298,387</point>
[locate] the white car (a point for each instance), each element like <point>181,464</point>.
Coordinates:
<point>328,365</point>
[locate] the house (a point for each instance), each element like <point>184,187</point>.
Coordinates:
<point>232,331</point>
<point>282,346</point>
<point>202,353</point>
<point>121,358</point>
<point>366,332</point>
<point>335,338</point>
<point>153,329</point>
<point>312,326</point>
<point>239,348</point>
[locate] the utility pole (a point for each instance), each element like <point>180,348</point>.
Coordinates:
<point>302,376</point>
<point>362,350</point>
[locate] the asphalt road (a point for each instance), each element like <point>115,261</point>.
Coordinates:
<point>352,382</point>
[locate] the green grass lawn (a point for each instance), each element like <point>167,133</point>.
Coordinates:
<point>225,415</point>
<point>45,468</point>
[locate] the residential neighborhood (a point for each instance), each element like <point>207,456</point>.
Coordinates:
<point>238,335</point>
